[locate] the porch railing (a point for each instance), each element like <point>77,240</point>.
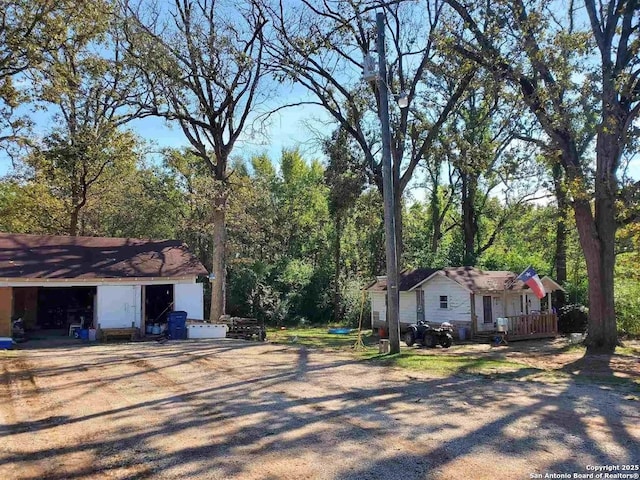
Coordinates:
<point>537,324</point>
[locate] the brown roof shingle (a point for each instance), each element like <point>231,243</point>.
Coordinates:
<point>406,279</point>
<point>60,257</point>
<point>475,279</point>
<point>471,278</point>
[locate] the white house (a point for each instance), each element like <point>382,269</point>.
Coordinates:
<point>56,281</point>
<point>459,296</point>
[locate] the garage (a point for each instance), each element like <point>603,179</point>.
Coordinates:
<point>55,283</point>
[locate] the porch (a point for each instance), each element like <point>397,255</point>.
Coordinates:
<point>526,327</point>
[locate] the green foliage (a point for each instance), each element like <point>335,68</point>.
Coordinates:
<point>627,295</point>
<point>355,305</point>
<point>573,318</point>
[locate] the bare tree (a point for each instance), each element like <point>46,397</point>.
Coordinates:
<point>202,61</point>
<point>320,45</point>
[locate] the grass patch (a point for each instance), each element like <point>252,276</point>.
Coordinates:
<point>447,365</point>
<point>628,351</point>
<point>437,362</point>
<point>319,337</point>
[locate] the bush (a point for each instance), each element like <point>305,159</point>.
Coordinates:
<point>352,305</point>
<point>627,299</point>
<point>573,318</point>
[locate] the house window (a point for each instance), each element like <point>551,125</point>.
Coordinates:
<point>444,301</point>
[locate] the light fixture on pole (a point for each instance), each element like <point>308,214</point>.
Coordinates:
<point>403,99</point>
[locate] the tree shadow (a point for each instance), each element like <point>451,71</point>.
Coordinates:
<point>202,411</point>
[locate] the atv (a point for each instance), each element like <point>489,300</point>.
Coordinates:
<point>429,336</point>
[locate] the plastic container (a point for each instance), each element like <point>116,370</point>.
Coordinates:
<point>207,330</point>
<point>6,343</point>
<point>502,324</point>
<point>462,333</point>
<point>576,338</point>
<point>84,334</point>
<point>92,334</point>
<point>177,325</point>
<point>156,330</point>
<point>149,328</point>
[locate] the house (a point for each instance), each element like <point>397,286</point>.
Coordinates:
<point>56,281</point>
<point>466,297</point>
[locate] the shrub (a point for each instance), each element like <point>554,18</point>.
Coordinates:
<point>627,297</point>
<point>352,305</point>
<point>573,318</point>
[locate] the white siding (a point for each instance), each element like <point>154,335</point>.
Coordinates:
<point>118,306</point>
<point>188,297</point>
<point>408,308</point>
<point>378,305</point>
<point>458,311</point>
<point>407,313</point>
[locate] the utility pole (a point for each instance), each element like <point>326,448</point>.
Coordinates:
<point>393,302</point>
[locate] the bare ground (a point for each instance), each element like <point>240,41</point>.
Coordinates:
<point>230,409</point>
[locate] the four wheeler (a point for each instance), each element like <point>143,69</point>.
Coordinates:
<point>429,336</point>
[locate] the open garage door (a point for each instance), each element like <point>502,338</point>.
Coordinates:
<point>54,308</point>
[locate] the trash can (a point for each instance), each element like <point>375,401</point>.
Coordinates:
<point>177,325</point>
<point>462,333</point>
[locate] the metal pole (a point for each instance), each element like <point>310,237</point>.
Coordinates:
<point>393,303</point>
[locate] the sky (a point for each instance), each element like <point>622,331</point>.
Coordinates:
<point>287,129</point>
<point>294,127</point>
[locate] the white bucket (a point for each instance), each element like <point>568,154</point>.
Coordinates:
<point>156,330</point>
<point>576,338</point>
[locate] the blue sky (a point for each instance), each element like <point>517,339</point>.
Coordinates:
<point>294,127</point>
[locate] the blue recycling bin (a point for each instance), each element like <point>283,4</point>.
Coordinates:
<point>177,325</point>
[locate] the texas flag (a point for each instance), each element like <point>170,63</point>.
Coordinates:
<point>531,278</point>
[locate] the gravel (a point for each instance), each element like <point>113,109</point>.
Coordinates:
<point>231,409</point>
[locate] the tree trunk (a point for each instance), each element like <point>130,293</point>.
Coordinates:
<point>218,285</point>
<point>436,230</point>
<point>337,258</point>
<point>398,226</point>
<point>560,257</point>
<point>73,222</point>
<point>469,224</point>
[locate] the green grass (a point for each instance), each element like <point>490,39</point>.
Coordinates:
<point>448,365</point>
<point>440,364</point>
<point>414,359</point>
<point>319,337</point>
<point>628,351</point>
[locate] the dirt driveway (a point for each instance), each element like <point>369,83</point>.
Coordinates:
<point>229,409</point>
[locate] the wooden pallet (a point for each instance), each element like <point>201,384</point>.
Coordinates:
<point>106,333</point>
<point>245,328</point>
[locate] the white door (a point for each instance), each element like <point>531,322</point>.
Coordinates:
<point>118,306</point>
<point>188,297</point>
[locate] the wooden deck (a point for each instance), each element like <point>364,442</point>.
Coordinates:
<point>527,327</point>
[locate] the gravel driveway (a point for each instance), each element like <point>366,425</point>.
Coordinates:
<point>230,409</point>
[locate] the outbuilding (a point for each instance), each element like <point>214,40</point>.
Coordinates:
<point>53,282</point>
